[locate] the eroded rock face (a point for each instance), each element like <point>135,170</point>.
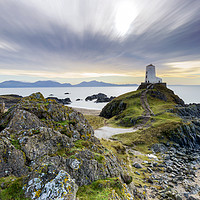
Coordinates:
<point>187,135</point>
<point>45,141</point>
<point>12,160</point>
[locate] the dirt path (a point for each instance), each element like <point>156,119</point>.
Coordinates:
<point>106,131</point>
<point>147,110</point>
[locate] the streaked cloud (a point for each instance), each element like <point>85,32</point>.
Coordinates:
<point>187,69</point>
<point>77,38</point>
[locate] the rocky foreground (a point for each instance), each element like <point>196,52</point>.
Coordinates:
<point>48,151</point>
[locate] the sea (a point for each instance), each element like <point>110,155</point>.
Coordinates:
<point>189,93</point>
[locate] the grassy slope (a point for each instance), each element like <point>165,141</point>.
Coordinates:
<point>134,108</point>
<point>95,121</point>
<point>12,188</point>
<point>161,123</point>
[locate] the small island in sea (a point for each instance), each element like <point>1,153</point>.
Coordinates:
<point>51,151</point>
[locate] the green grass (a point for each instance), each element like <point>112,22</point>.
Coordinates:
<point>133,109</point>
<point>143,138</point>
<point>15,143</point>
<point>159,126</point>
<point>99,158</point>
<point>159,106</point>
<point>12,189</point>
<point>63,123</point>
<point>100,189</point>
<point>95,121</point>
<point>116,148</point>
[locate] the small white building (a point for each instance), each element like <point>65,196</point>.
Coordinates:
<point>151,75</point>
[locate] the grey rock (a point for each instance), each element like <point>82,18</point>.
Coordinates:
<point>159,148</point>
<point>137,173</point>
<point>137,165</point>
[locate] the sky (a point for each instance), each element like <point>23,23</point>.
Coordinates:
<point>106,40</point>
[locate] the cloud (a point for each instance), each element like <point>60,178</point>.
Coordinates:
<point>88,37</point>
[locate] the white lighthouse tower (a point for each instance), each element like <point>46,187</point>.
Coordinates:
<point>151,79</point>
<point>151,75</point>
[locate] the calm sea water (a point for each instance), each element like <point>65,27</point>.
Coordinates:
<point>190,94</point>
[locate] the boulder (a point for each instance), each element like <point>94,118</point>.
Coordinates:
<point>62,101</point>
<point>50,183</point>
<point>100,98</point>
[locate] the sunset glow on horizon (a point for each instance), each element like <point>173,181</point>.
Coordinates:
<point>111,41</point>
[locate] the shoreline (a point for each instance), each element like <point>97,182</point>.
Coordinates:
<point>87,111</point>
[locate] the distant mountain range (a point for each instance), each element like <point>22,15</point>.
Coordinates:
<point>19,84</point>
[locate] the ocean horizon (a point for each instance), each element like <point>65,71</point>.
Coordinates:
<point>189,93</point>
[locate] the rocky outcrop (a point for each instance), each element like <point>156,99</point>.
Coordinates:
<point>100,98</point>
<point>53,147</point>
<point>62,101</point>
<point>187,135</point>
<point>10,100</point>
<point>113,109</point>
<point>189,112</point>
<point>50,183</point>
<point>12,160</point>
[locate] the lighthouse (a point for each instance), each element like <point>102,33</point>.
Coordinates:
<point>151,79</point>
<point>151,75</point>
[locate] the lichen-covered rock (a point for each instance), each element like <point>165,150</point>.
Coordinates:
<point>23,120</point>
<point>87,166</point>
<point>35,111</point>
<point>43,142</point>
<point>12,160</point>
<point>50,184</point>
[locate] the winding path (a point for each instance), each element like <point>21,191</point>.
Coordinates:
<point>106,131</point>
<point>147,110</point>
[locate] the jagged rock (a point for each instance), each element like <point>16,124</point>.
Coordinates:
<point>95,96</point>
<point>43,142</point>
<point>100,98</point>
<point>190,111</point>
<point>87,167</point>
<point>159,148</point>
<point>10,100</point>
<point>23,120</point>
<point>62,101</point>
<point>187,135</point>
<point>126,178</point>
<point>104,100</point>
<point>12,160</point>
